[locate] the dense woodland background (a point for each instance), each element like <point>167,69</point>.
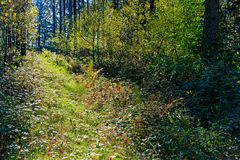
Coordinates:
<point>119,79</point>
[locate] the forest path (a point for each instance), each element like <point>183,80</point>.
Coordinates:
<point>73,117</point>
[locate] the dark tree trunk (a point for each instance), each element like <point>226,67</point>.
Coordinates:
<point>64,8</point>
<point>54,17</point>
<point>17,41</point>
<point>23,49</point>
<point>94,5</point>
<point>88,6</point>
<point>210,29</point>
<point>64,15</point>
<point>40,6</point>
<point>115,4</point>
<point>75,22</point>
<point>70,10</point>
<point>60,16</point>
<point>152,6</point>
<point>6,47</point>
<point>9,38</point>
<point>75,11</point>
<point>39,36</point>
<point>24,43</point>
<point>83,4</point>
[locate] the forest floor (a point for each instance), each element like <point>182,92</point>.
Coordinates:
<point>47,112</point>
<point>66,116</point>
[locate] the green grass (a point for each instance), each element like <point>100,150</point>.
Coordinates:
<point>67,128</point>
<point>72,86</point>
<point>87,116</point>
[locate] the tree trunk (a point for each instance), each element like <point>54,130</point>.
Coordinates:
<point>83,4</point>
<point>64,15</point>
<point>115,4</point>
<point>75,23</point>
<point>40,6</point>
<point>152,6</point>
<point>9,38</point>
<point>60,16</point>
<point>88,6</point>
<point>94,5</point>
<point>17,40</point>
<point>23,44</point>
<point>5,48</point>
<point>54,17</point>
<point>39,36</point>
<point>75,11</point>
<point>70,6</point>
<point>210,29</point>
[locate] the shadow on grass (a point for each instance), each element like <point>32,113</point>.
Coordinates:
<point>15,112</point>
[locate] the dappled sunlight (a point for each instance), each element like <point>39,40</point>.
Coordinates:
<point>119,80</point>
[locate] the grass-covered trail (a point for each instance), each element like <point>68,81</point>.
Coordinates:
<point>49,113</point>
<point>68,116</point>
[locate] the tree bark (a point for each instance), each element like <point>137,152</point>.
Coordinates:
<point>75,23</point>
<point>70,6</point>
<point>39,36</point>
<point>210,29</point>
<point>83,4</point>
<point>75,11</point>
<point>64,15</point>
<point>5,46</point>
<point>54,16</point>
<point>88,6</point>
<point>24,43</point>
<point>60,16</point>
<point>152,6</point>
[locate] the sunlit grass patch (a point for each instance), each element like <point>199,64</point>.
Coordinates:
<point>67,127</point>
<point>73,86</point>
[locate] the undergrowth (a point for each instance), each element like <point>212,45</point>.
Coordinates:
<point>47,112</point>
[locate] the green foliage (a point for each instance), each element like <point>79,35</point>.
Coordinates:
<point>17,107</point>
<point>160,51</point>
<point>178,136</point>
<point>46,112</point>
<point>215,92</point>
<point>157,51</point>
<point>89,116</point>
<point>17,19</point>
<point>74,87</point>
<point>59,106</point>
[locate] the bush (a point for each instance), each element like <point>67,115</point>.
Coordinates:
<point>179,136</point>
<point>17,106</point>
<point>216,92</point>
